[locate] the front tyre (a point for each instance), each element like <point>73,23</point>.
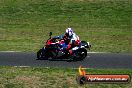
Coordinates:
<point>41,54</point>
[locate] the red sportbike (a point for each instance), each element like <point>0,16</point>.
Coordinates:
<point>53,50</point>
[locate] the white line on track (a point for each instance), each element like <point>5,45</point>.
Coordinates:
<point>22,66</point>
<point>10,51</point>
<point>97,52</point>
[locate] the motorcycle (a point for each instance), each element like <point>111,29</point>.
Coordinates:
<point>52,50</point>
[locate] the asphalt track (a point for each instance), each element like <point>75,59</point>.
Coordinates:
<point>93,60</point>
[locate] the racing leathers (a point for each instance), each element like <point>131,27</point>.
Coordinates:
<point>71,44</point>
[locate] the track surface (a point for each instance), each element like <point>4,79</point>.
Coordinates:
<point>93,60</point>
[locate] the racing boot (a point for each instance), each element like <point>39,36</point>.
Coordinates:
<point>70,55</point>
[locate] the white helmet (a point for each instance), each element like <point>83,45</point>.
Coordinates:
<point>69,32</point>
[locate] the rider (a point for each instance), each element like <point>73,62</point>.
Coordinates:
<point>71,40</point>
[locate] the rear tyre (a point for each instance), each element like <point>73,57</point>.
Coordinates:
<point>81,54</point>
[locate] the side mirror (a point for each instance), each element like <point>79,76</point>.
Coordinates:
<point>50,33</point>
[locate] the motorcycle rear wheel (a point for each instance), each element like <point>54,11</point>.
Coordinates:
<point>81,54</point>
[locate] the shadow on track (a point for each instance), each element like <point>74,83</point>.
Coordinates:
<point>68,60</point>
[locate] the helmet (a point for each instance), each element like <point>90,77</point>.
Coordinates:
<point>69,32</point>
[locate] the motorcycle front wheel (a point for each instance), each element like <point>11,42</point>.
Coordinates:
<point>40,55</point>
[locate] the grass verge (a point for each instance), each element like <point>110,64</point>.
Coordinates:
<point>107,24</point>
<point>40,77</point>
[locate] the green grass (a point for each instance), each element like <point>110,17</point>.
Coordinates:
<point>25,24</point>
<point>35,77</point>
